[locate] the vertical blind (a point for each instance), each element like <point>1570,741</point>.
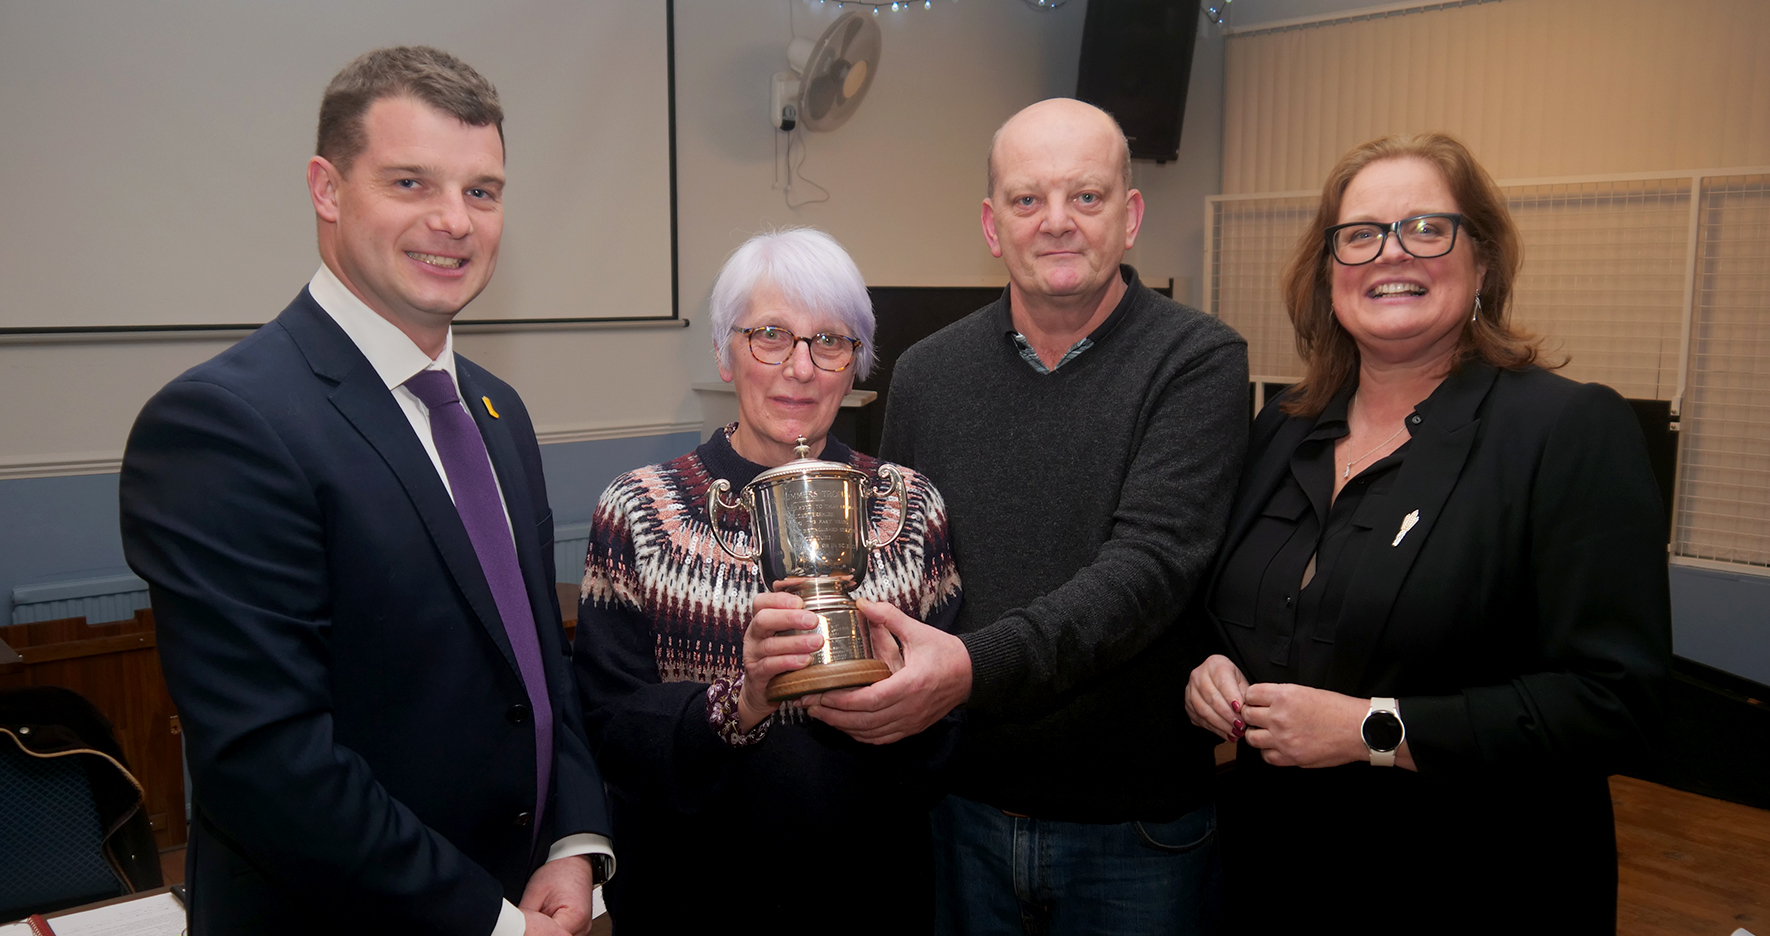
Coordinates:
<point>1724,486</point>
<point>1603,277</point>
<point>1536,88</point>
<point>1605,113</point>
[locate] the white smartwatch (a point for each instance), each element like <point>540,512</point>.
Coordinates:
<point>1383,731</point>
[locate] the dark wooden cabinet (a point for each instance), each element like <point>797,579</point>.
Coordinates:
<point>117,667</point>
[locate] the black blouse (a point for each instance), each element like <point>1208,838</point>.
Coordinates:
<point>1281,625</point>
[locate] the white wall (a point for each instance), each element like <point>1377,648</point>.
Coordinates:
<point>905,176</point>
<point>1253,14</point>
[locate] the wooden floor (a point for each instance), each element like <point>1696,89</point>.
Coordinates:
<point>1686,864</point>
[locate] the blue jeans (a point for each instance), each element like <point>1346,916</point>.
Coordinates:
<point>995,873</point>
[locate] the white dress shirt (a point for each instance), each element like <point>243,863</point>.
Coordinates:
<point>397,359</point>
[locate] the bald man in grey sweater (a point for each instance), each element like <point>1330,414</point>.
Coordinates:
<point>1087,434</point>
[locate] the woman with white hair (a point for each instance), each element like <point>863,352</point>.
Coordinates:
<point>676,641</point>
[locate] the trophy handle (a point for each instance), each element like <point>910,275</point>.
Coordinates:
<point>715,502</point>
<point>892,484</point>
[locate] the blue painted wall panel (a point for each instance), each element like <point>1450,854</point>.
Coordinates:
<point>577,472</point>
<point>57,529</point>
<point>1722,619</point>
<point>60,529</point>
<point>53,529</point>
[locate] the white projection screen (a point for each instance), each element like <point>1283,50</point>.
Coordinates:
<point>156,154</point>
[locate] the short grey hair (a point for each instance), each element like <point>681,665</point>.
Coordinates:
<point>811,271</point>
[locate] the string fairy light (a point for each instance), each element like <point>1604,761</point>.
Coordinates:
<point>895,6</point>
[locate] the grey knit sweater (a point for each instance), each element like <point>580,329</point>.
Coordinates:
<point>1086,506</point>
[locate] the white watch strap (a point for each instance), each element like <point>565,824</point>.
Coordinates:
<point>1385,758</point>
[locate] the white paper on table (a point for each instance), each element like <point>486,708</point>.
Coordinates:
<point>159,915</point>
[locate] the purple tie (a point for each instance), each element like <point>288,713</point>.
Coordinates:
<point>482,512</point>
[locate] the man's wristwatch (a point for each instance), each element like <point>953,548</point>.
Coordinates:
<point>1383,731</point>
<point>602,867</point>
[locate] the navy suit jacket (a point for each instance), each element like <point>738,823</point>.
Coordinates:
<point>360,745</point>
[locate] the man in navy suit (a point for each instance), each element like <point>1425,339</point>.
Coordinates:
<point>346,534</point>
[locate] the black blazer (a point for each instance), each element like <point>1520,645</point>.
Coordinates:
<point>1523,622</point>
<point>360,748</point>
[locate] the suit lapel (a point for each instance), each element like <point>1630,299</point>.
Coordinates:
<point>1268,471</point>
<point>1441,444</point>
<point>362,399</point>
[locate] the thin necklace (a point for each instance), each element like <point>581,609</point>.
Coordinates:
<point>1373,451</point>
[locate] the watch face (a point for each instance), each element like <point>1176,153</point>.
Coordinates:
<point>1382,731</point>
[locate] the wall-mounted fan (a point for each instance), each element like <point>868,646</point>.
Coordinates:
<point>830,75</point>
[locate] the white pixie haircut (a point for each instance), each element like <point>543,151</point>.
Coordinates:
<point>811,271</point>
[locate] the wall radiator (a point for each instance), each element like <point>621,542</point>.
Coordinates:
<point>570,542</point>
<point>99,600</point>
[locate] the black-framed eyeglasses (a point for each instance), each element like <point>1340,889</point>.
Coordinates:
<point>1423,236</point>
<point>772,344</point>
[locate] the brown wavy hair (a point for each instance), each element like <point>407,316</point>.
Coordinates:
<point>1330,356</point>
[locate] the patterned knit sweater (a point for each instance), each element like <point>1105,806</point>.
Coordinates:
<point>652,551</point>
<point>661,620</point>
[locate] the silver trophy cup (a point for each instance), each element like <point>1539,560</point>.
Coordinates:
<point>811,534</point>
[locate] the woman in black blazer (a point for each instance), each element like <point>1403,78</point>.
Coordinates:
<point>1442,603</point>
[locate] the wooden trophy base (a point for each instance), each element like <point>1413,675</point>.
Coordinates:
<point>822,677</point>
